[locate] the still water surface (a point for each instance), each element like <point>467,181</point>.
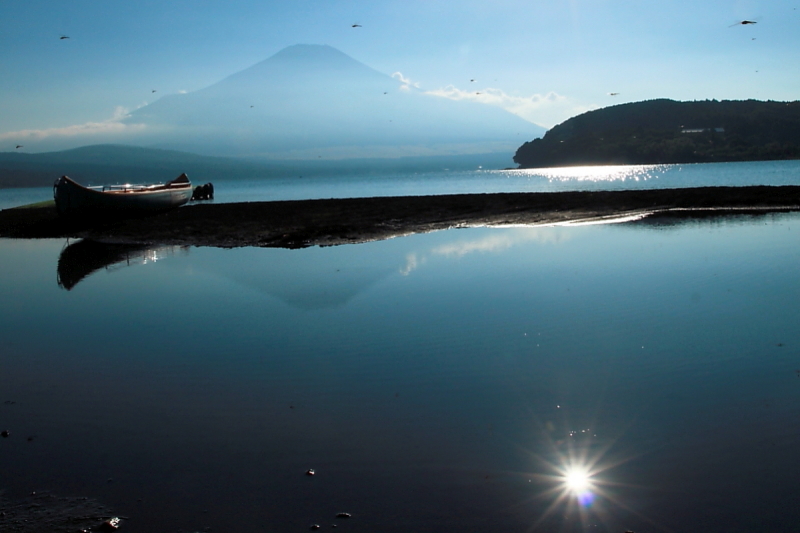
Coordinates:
<point>438,382</point>
<point>443,181</point>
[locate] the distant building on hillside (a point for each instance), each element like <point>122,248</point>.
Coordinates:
<point>701,130</point>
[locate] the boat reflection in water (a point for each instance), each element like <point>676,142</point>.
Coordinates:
<point>81,259</point>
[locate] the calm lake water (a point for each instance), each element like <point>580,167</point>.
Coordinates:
<point>443,181</point>
<point>452,381</point>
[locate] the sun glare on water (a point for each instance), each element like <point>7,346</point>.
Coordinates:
<point>598,173</point>
<point>577,480</point>
<point>579,487</point>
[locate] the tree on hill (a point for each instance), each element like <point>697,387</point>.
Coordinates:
<point>666,131</point>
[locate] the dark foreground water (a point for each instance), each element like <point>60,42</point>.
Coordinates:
<point>443,382</point>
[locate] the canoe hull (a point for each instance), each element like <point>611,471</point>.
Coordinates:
<point>73,198</point>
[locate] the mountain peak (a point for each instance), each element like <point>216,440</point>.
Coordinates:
<point>300,52</point>
<point>308,100</point>
<point>300,62</point>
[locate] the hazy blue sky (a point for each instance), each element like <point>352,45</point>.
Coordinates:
<point>545,60</point>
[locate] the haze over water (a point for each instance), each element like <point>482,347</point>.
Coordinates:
<point>444,181</point>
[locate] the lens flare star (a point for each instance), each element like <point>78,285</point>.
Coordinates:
<point>577,480</point>
<point>577,489</point>
<point>577,483</point>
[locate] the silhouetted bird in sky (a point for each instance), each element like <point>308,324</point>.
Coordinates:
<point>744,22</point>
<point>19,146</point>
<point>356,26</point>
<point>613,94</point>
<point>64,37</point>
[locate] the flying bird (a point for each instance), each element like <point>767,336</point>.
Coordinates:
<point>613,94</point>
<point>154,90</point>
<point>64,37</point>
<point>19,146</point>
<point>742,23</point>
<point>356,26</point>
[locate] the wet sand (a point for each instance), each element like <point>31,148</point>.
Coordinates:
<point>297,224</point>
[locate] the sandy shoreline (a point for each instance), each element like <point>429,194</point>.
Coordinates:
<point>302,223</point>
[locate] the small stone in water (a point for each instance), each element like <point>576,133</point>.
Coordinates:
<point>343,515</point>
<point>315,526</point>
<point>5,433</point>
<point>310,472</point>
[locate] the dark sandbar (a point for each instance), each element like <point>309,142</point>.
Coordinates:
<point>296,224</point>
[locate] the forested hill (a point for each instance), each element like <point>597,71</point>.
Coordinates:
<point>666,131</point>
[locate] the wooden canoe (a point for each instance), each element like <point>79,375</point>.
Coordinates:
<point>73,198</point>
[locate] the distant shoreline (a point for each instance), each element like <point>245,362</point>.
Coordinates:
<point>303,223</point>
<point>664,132</point>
